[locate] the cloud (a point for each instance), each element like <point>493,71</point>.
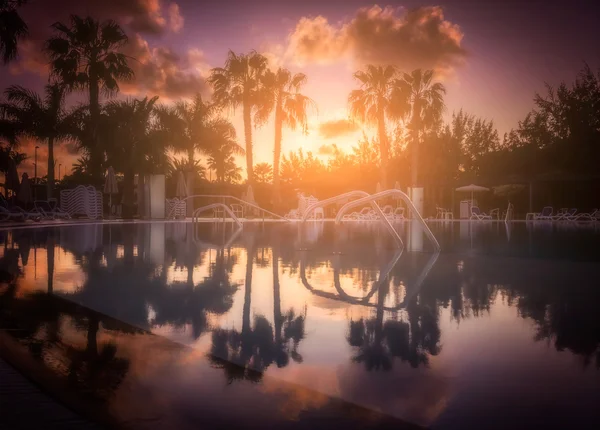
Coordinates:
<point>409,39</point>
<point>143,16</point>
<point>326,150</point>
<point>163,72</point>
<point>175,18</point>
<point>152,17</point>
<point>336,128</point>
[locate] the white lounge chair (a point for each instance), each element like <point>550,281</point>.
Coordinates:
<point>476,214</point>
<point>399,213</point>
<point>50,210</point>
<point>565,215</point>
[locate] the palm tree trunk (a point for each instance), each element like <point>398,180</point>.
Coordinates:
<point>50,183</point>
<point>415,129</point>
<point>277,151</point>
<point>248,138</point>
<point>383,147</point>
<point>95,149</point>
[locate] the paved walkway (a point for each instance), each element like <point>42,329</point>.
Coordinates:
<point>23,406</point>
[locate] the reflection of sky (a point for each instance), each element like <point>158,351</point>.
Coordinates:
<point>485,361</point>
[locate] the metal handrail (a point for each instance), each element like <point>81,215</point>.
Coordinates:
<point>230,197</point>
<point>216,205</point>
<point>387,193</point>
<point>351,194</point>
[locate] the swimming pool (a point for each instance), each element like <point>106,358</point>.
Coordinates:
<point>157,325</point>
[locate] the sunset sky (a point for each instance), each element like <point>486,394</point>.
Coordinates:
<point>491,55</point>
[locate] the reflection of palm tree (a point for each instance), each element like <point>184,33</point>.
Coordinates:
<point>183,303</point>
<point>378,342</point>
<point>292,325</point>
<point>247,354</point>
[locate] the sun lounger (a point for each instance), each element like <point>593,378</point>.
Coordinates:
<point>476,214</point>
<point>48,209</point>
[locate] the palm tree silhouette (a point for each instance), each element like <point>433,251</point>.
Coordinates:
<point>41,118</point>
<point>12,28</point>
<point>376,102</point>
<point>223,147</point>
<point>282,94</point>
<point>422,101</point>
<point>239,83</point>
<point>188,126</point>
<point>85,54</point>
<point>132,144</point>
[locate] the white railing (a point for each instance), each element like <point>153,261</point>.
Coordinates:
<point>218,196</point>
<point>386,193</point>
<point>197,212</point>
<point>351,194</point>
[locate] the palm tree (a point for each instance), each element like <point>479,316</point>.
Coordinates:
<point>12,28</point>
<point>282,94</point>
<point>263,173</point>
<point>239,83</point>
<point>375,102</point>
<point>85,54</point>
<point>423,102</point>
<point>133,146</point>
<point>43,119</point>
<point>187,126</point>
<point>223,148</point>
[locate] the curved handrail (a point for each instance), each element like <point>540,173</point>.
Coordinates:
<point>344,297</point>
<point>216,205</point>
<point>386,193</point>
<point>350,194</point>
<point>229,197</point>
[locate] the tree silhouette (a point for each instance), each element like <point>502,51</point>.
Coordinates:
<point>239,84</point>
<point>41,118</point>
<point>375,103</point>
<point>423,103</point>
<point>85,54</point>
<point>132,143</point>
<point>12,28</point>
<point>282,94</point>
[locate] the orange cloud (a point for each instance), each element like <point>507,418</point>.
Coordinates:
<point>163,72</point>
<point>175,18</point>
<point>336,128</point>
<point>409,39</point>
<point>136,16</point>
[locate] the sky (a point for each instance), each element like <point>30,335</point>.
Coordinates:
<point>492,56</point>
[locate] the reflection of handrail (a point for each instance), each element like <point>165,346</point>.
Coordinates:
<point>211,245</point>
<point>350,194</point>
<point>216,205</point>
<point>383,274</point>
<point>344,297</point>
<point>233,198</point>
<point>386,193</point>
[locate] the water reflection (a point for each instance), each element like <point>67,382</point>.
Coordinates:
<point>315,311</point>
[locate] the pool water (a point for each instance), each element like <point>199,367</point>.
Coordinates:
<point>170,324</point>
